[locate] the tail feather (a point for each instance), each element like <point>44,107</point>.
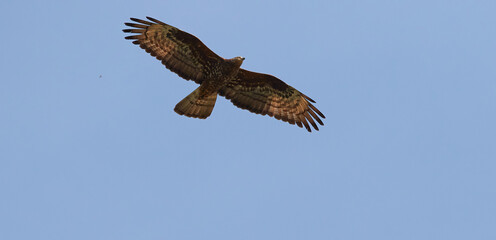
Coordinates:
<point>196,107</point>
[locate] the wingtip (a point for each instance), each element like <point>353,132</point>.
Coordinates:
<point>308,98</point>
<point>155,20</point>
<point>321,114</point>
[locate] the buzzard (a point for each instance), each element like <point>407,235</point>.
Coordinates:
<point>185,55</point>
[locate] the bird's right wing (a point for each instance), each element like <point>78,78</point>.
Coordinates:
<point>179,51</point>
<point>265,94</point>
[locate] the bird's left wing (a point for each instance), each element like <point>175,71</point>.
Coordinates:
<point>179,51</point>
<point>265,94</point>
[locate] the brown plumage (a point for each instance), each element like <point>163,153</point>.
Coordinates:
<point>189,58</point>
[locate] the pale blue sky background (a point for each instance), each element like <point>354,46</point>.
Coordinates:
<point>408,150</point>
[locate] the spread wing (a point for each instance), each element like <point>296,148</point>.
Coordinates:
<point>265,94</point>
<point>179,51</point>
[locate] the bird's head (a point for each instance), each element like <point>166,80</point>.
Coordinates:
<point>241,59</point>
<point>238,60</point>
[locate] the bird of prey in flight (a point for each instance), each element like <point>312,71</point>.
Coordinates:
<point>185,55</point>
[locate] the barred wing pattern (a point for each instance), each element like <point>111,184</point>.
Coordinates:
<point>179,51</point>
<point>265,94</point>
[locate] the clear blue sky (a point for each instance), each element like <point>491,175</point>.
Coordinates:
<point>408,150</point>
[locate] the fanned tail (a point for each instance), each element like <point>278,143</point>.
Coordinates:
<point>196,107</point>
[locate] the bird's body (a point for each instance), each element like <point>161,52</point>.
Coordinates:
<point>227,71</point>
<point>201,102</point>
<point>187,56</point>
